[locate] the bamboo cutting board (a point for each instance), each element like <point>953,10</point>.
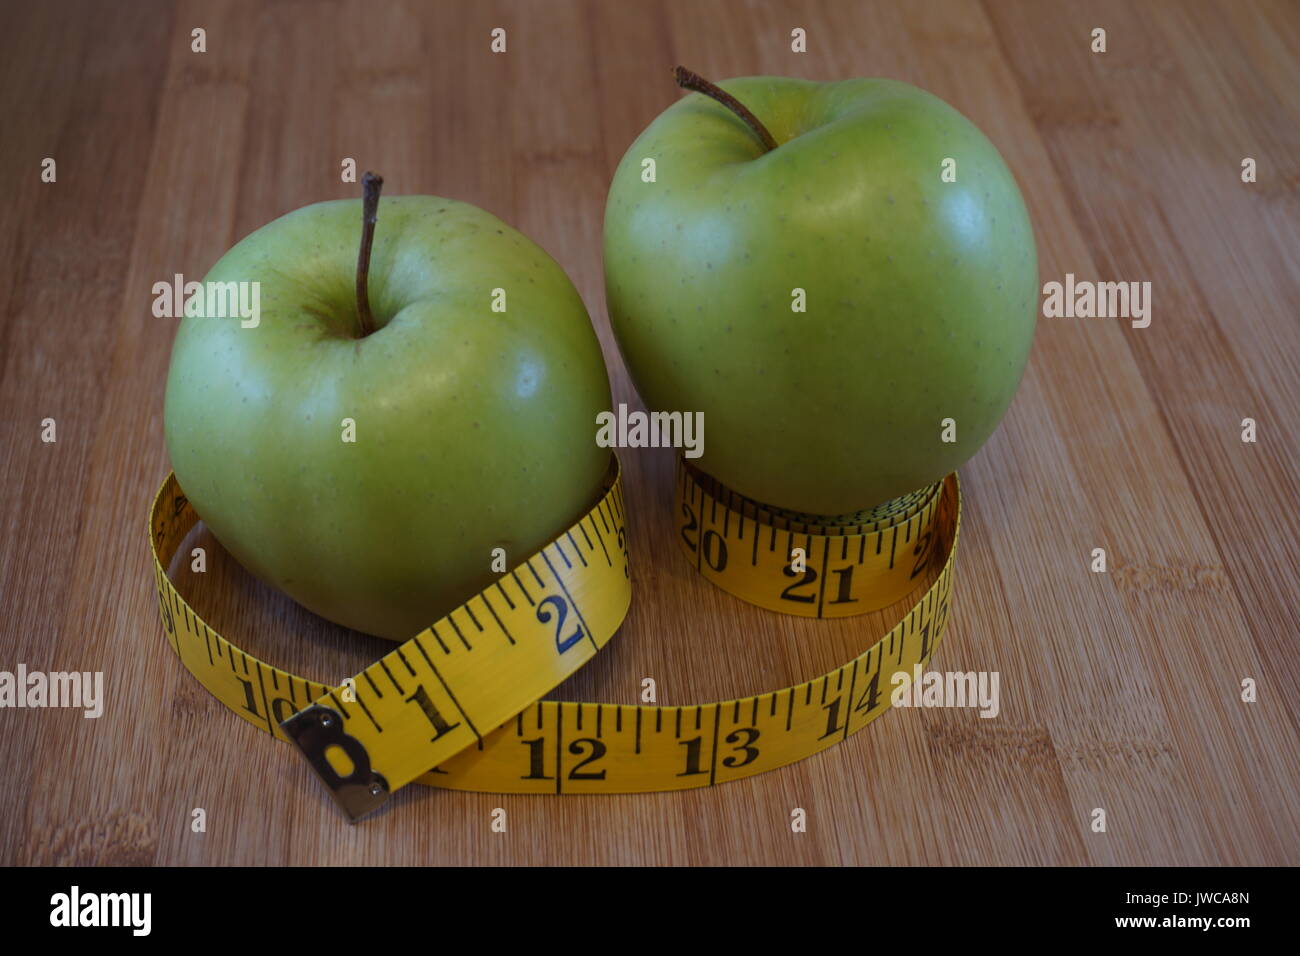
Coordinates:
<point>1120,691</point>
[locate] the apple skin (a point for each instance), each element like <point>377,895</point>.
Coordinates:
<point>921,295</point>
<point>474,429</point>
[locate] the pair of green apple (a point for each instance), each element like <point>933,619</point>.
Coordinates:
<point>826,303</point>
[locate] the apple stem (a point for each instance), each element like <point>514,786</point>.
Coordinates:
<point>689,80</point>
<point>370,185</point>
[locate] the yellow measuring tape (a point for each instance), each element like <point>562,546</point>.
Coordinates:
<point>457,706</point>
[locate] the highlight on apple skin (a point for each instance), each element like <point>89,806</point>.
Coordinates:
<point>830,303</point>
<point>470,408</point>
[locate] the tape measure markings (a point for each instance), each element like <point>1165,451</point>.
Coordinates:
<point>455,716</point>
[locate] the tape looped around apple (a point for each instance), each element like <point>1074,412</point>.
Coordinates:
<point>463,696</point>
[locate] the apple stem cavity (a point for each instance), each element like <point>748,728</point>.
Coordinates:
<point>371,186</point>
<point>690,80</point>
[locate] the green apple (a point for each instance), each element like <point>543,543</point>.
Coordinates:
<point>919,293</point>
<point>471,428</point>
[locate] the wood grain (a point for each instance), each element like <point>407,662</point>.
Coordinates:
<point>1119,690</point>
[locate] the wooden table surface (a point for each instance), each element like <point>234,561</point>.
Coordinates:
<point>1120,691</point>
